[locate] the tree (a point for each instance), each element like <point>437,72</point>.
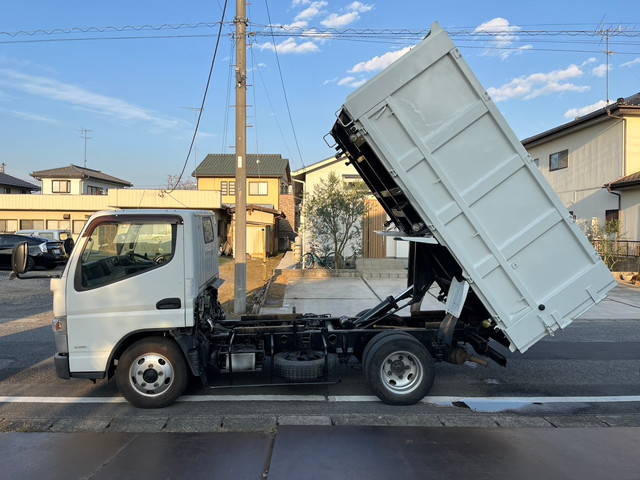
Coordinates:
<point>605,240</point>
<point>333,215</point>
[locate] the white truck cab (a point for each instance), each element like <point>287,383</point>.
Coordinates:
<point>132,274</point>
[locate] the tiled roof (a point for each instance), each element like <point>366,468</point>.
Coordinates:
<point>74,171</point>
<point>262,165</point>
<point>631,102</point>
<point>10,181</point>
<point>624,182</point>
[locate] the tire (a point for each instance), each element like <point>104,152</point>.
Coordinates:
<point>375,340</point>
<point>408,371</point>
<point>301,365</point>
<point>166,368</point>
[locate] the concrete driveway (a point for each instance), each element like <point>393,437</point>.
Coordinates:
<point>349,295</point>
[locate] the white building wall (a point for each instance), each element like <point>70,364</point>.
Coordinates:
<point>630,213</point>
<point>596,157</point>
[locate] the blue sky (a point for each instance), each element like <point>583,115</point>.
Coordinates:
<point>132,93</point>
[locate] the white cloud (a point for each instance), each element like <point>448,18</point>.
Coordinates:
<point>82,98</point>
<point>589,61</point>
<point>295,25</point>
<point>33,116</point>
<point>330,80</point>
<point>335,21</point>
<point>502,34</point>
<point>539,84</point>
<point>379,62</point>
<point>601,70</point>
<point>359,7</point>
<point>630,63</point>
<point>296,3</point>
<point>579,112</point>
<point>353,11</point>
<point>290,45</point>
<point>351,81</point>
<point>318,37</point>
<point>311,11</point>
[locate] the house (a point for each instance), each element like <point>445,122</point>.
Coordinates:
<point>70,212</point>
<point>270,203</point>
<point>13,185</point>
<point>593,163</point>
<point>373,244</point>
<point>75,180</point>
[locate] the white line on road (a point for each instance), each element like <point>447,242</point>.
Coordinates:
<point>331,398</point>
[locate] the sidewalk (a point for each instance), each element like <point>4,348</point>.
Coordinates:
<point>318,452</point>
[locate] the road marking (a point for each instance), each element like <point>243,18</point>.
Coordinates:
<point>252,398</point>
<point>435,399</point>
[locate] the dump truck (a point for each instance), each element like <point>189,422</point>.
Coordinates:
<point>138,298</point>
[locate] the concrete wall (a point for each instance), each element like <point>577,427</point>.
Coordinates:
<point>271,199</point>
<point>596,157</point>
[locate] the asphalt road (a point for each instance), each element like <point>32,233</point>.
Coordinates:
<point>592,358</point>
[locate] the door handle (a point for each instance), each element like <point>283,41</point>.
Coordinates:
<point>168,304</point>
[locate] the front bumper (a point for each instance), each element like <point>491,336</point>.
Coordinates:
<point>61,361</point>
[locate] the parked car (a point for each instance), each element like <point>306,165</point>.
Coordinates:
<point>53,235</point>
<point>42,252</point>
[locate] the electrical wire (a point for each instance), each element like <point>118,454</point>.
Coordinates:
<point>284,90</point>
<point>204,98</point>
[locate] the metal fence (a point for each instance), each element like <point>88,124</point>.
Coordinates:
<point>621,248</point>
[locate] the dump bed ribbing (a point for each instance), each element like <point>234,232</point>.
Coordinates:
<point>438,155</point>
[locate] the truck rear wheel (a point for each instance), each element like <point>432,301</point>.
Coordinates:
<point>399,370</point>
<point>152,373</point>
<point>372,343</point>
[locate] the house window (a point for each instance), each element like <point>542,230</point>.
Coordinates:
<point>95,190</point>
<point>559,160</point>
<point>7,189</point>
<point>258,188</point>
<point>57,224</point>
<point>61,186</point>
<point>536,162</point>
<point>31,224</point>
<point>611,215</point>
<point>78,225</point>
<point>228,188</point>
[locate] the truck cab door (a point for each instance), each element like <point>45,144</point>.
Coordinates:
<point>129,277</point>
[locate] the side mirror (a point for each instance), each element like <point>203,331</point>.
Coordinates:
<point>19,258</point>
<point>68,245</point>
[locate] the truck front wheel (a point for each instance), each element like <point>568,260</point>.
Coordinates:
<point>152,373</point>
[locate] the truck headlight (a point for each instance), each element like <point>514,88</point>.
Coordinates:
<point>43,247</point>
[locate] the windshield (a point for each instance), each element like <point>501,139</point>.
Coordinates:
<point>115,251</point>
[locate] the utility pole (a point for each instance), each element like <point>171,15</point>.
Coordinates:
<point>84,133</point>
<point>240,247</point>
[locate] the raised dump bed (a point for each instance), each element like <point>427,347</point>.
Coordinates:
<point>434,149</point>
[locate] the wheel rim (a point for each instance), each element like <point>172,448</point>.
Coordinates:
<point>401,372</point>
<point>151,374</point>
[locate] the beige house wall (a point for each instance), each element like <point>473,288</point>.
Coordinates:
<point>596,157</point>
<point>273,190</point>
<point>63,211</point>
<point>632,145</point>
<point>630,213</point>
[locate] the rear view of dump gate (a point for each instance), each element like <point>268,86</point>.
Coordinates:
<point>441,159</point>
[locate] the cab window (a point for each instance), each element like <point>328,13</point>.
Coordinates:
<point>119,250</point>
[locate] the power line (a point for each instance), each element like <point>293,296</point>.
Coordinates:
<point>204,98</point>
<point>284,90</point>
<point>110,28</point>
